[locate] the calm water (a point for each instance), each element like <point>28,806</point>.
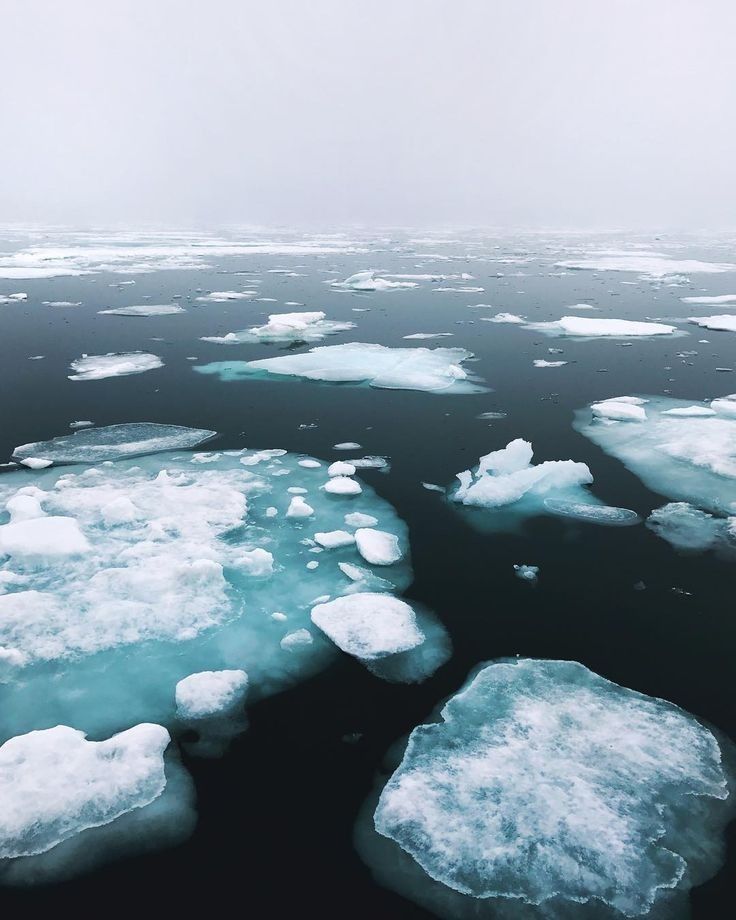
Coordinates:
<point>277,812</point>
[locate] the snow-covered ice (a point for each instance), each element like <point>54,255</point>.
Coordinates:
<point>718,298</point>
<point>210,693</point>
<point>688,528</point>
<point>146,309</point>
<point>586,327</point>
<point>113,442</point>
<point>377,546</point>
<point>97,367</point>
<point>367,281</point>
<point>543,783</point>
<point>369,625</point>
<point>541,362</point>
<point>722,323</point>
<point>284,327</point>
<point>20,297</point>
<point>433,370</point>
<point>651,265</point>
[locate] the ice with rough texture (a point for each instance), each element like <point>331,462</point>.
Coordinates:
<point>284,327</point>
<point>587,327</point>
<point>649,264</point>
<point>98,367</point>
<point>146,309</point>
<point>593,514</point>
<point>722,323</point>
<point>545,783</point>
<point>541,362</point>
<point>13,298</point>
<point>113,442</point>
<point>369,625</point>
<point>55,783</point>
<point>367,281</point>
<point>506,479</point>
<point>377,546</point>
<point>210,693</point>
<point>432,370</point>
<point>690,457</point>
<point>688,528</point>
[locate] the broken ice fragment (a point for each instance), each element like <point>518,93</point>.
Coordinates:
<point>97,367</point>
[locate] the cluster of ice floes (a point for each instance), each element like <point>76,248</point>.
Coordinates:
<point>98,367</point>
<point>113,442</point>
<point>541,783</point>
<point>507,481</point>
<point>284,327</point>
<point>434,370</point>
<point>716,299</point>
<point>367,281</point>
<point>13,298</point>
<point>146,309</point>
<point>226,296</point>
<point>160,590</point>
<point>684,451</point>
<point>649,264</point>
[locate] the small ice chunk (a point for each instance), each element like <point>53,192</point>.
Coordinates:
<point>36,463</point>
<point>721,323</point>
<point>718,298</point>
<point>369,625</point>
<point>256,561</point>
<point>377,546</point>
<point>98,367</point>
<point>43,536</point>
<point>342,485</point>
<point>511,318</point>
<point>310,464</point>
<point>296,640</point>
<point>334,538</point>
<point>298,508</point>
<point>585,327</point>
<point>367,281</point>
<point>347,445</point>
<point>619,410</point>
<point>210,693</point>
<point>148,309</point>
<point>594,514</point>
<point>541,362</point>
<point>284,327</point>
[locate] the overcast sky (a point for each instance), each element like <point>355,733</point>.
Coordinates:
<point>590,113</point>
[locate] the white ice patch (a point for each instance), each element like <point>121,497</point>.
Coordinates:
<point>722,323</point>
<point>511,318</point>
<point>369,625</point>
<point>210,693</point>
<point>113,442</point>
<point>97,367</point>
<point>13,298</point>
<point>719,298</point>
<point>226,296</point>
<point>367,281</point>
<point>284,327</point>
<point>544,781</point>
<point>687,457</point>
<point>377,546</point>
<point>586,327</point>
<point>436,370</point>
<point>146,309</point>
<point>651,265</point>
<point>541,362</point>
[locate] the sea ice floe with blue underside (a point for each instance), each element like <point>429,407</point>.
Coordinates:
<point>284,327</point>
<point>542,783</point>
<point>432,370</point>
<point>585,327</point>
<point>650,265</point>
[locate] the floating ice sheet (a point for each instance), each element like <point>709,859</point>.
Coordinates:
<point>586,327</point>
<point>651,265</point>
<point>433,370</point>
<point>367,281</point>
<point>97,367</point>
<point>723,323</point>
<point>686,457</point>
<point>542,783</point>
<point>146,309</point>
<point>717,299</point>
<point>284,327</point>
<point>113,442</point>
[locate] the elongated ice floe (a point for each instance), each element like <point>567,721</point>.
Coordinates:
<point>723,323</point>
<point>433,370</point>
<point>113,442</point>
<point>146,309</point>
<point>121,580</point>
<point>651,265</point>
<point>284,327</point>
<point>688,528</point>
<point>545,784</point>
<point>369,625</point>
<point>675,448</point>
<point>718,298</point>
<point>587,327</point>
<point>13,298</point>
<point>367,281</point>
<point>98,367</point>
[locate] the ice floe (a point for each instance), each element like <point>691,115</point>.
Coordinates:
<point>541,362</point>
<point>586,327</point>
<point>433,370</point>
<point>719,298</point>
<point>150,309</point>
<point>369,625</point>
<point>113,442</point>
<point>367,281</point>
<point>210,693</point>
<point>541,783</point>
<point>687,456</point>
<point>723,323</point>
<point>284,327</point>
<point>13,298</point>
<point>98,367</point>
<point>688,528</point>
<point>226,296</point>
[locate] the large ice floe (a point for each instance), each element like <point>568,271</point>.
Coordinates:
<point>146,309</point>
<point>507,483</point>
<point>683,451</point>
<point>648,264</point>
<point>367,281</point>
<point>284,327</point>
<point>98,367</point>
<point>725,322</point>
<point>542,790</point>
<point>587,327</point>
<point>433,370</point>
<point>114,442</point>
<point>155,590</point>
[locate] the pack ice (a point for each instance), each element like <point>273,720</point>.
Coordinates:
<point>545,784</point>
<point>507,480</point>
<point>113,442</point>
<point>433,370</point>
<point>284,327</point>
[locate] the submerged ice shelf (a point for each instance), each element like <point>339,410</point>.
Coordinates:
<point>543,783</point>
<point>433,370</point>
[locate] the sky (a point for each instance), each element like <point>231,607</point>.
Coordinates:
<point>314,113</point>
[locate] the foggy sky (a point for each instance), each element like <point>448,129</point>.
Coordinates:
<point>588,113</point>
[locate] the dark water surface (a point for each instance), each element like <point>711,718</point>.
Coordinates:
<point>276,814</point>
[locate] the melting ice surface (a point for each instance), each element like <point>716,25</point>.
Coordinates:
<point>284,327</point>
<point>648,264</point>
<point>543,783</point>
<point>506,480</point>
<point>685,452</point>
<point>585,326</point>
<point>151,309</point>
<point>97,367</point>
<point>145,591</point>
<point>113,442</point>
<point>433,370</point>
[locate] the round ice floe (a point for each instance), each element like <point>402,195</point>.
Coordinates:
<point>369,625</point>
<point>209,693</point>
<point>544,781</point>
<point>342,485</point>
<point>377,546</point>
